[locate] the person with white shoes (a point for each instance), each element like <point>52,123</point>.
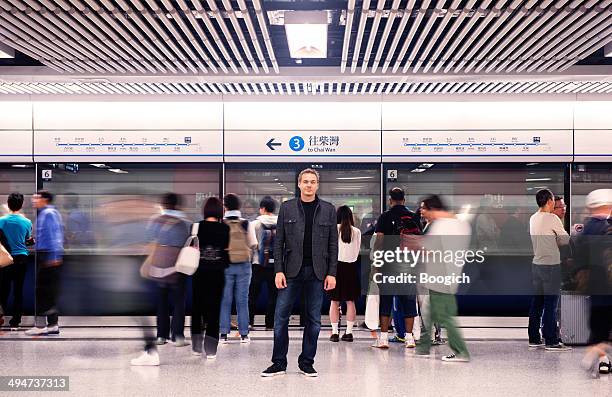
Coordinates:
<point>396,228</point>
<point>445,233</point>
<point>49,255</point>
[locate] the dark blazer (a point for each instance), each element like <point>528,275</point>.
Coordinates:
<point>289,241</point>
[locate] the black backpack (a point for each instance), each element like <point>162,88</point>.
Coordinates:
<point>266,245</point>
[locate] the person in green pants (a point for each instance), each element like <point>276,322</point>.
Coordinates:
<point>445,232</point>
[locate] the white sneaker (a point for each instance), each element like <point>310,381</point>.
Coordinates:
<point>37,331</point>
<point>245,339</point>
<point>53,330</point>
<point>147,359</point>
<point>381,344</point>
<point>211,356</point>
<point>410,343</point>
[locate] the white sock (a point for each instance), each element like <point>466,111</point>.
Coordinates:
<point>384,337</point>
<point>334,328</point>
<point>349,327</point>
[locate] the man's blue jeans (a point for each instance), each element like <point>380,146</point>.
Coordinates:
<point>546,285</point>
<point>237,282</point>
<point>313,299</point>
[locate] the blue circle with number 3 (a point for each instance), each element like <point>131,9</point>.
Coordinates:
<point>296,143</point>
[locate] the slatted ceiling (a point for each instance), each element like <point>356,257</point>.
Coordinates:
<point>483,36</point>
<point>307,88</point>
<point>140,36</point>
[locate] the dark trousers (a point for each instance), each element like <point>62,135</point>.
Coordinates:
<point>11,280</point>
<point>313,299</point>
<point>47,293</point>
<point>262,275</point>
<point>207,292</point>
<point>543,310</point>
<point>177,292</point>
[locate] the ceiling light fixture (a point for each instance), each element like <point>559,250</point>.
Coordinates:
<point>306,33</point>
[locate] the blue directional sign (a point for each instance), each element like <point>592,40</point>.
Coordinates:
<point>296,143</point>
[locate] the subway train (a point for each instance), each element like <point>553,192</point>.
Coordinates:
<point>107,162</point>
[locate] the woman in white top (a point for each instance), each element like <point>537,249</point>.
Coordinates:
<point>348,287</point>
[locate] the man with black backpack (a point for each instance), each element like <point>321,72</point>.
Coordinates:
<point>395,228</point>
<point>238,273</point>
<point>263,229</point>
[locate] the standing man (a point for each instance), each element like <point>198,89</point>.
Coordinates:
<point>49,255</point>
<point>547,234</point>
<point>305,257</point>
<point>401,223</point>
<point>263,230</point>
<point>17,230</point>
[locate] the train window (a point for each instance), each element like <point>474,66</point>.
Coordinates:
<point>17,178</point>
<point>253,182</point>
<point>585,179</point>
<point>497,199</point>
<point>108,205</point>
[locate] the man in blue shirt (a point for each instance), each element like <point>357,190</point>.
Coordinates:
<point>17,231</point>
<point>49,253</point>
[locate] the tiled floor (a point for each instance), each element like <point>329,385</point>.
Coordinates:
<point>502,368</point>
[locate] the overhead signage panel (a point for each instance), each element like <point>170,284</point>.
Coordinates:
<point>16,146</point>
<point>593,145</point>
<point>119,146</point>
<point>477,146</point>
<point>304,146</point>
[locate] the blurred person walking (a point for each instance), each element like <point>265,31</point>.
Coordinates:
<point>49,257</point>
<point>209,280</point>
<point>16,231</point>
<point>594,253</point>
<point>167,234</point>
<point>445,232</point>
<point>547,235</point>
<point>348,286</point>
<point>238,273</point>
<point>263,229</point>
<point>305,260</point>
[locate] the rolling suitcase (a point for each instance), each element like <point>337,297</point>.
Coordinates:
<point>574,313</point>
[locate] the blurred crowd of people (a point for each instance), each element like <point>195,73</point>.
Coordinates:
<point>311,249</point>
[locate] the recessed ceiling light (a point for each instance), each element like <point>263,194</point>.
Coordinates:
<point>306,33</point>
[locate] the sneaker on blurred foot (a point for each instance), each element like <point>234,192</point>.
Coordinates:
<point>536,345</point>
<point>211,356</point>
<point>334,338</point>
<point>397,339</point>
<point>37,331</point>
<point>223,339</point>
<point>161,341</point>
<point>150,358</point>
<point>53,330</point>
<point>180,342</point>
<point>453,358</point>
<point>410,341</point>
<point>380,344</point>
<point>559,347</point>
<point>245,339</point>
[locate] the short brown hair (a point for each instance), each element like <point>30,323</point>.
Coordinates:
<point>308,171</point>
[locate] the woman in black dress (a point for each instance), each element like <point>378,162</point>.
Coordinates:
<point>347,277</point>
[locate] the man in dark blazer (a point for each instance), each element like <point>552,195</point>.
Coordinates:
<point>305,258</point>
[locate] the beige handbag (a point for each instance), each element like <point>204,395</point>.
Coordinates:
<point>5,258</point>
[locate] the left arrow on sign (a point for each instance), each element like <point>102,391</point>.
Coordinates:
<point>271,144</point>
